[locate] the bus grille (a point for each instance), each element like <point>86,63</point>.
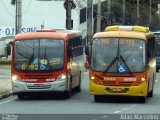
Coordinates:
<point>39,77</point>
<point>116,83</point>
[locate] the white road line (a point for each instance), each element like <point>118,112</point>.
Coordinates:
<point>133,105</point>
<point>6,101</point>
<point>104,117</point>
<point>125,109</point>
<point>117,112</point>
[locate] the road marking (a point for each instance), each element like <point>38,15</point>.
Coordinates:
<point>104,117</point>
<point>133,105</point>
<point>125,109</point>
<point>117,112</point>
<point>6,101</point>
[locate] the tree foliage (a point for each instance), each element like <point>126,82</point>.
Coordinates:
<point>131,14</point>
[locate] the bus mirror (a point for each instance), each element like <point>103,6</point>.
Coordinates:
<point>70,52</point>
<point>8,50</point>
<point>86,65</point>
<point>87,50</point>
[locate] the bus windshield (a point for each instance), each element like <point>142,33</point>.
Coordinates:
<point>39,54</point>
<point>118,55</point>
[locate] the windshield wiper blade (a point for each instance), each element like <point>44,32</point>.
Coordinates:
<point>129,70</point>
<point>46,57</point>
<point>115,59</point>
<point>110,65</point>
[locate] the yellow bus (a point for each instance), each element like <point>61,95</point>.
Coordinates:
<point>122,62</point>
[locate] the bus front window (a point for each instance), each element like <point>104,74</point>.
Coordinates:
<point>118,55</point>
<point>39,55</point>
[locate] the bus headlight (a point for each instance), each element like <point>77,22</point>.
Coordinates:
<point>95,80</point>
<point>15,78</point>
<point>142,79</point>
<point>92,77</point>
<point>62,77</point>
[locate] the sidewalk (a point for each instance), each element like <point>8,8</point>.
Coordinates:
<point>5,67</point>
<point>5,81</point>
<point>5,89</point>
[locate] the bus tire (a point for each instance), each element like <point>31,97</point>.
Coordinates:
<point>68,93</point>
<point>21,96</point>
<point>78,88</point>
<point>150,94</point>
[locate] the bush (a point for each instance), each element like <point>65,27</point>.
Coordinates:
<point>5,62</point>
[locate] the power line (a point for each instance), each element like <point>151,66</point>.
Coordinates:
<point>27,7</point>
<point>7,9</point>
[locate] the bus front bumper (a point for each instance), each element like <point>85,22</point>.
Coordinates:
<point>95,89</point>
<point>56,86</point>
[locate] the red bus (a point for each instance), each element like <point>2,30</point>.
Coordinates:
<point>46,61</point>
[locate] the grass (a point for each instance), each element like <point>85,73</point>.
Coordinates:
<point>5,62</point>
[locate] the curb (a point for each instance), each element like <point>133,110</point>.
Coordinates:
<point>5,67</point>
<point>5,95</point>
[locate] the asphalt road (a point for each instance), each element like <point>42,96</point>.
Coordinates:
<point>81,104</point>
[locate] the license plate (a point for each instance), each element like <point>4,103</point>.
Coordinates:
<point>117,89</point>
<point>39,85</point>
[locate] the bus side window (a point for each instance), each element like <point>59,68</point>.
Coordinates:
<point>75,47</point>
<point>151,49</point>
<point>79,46</point>
<point>70,48</point>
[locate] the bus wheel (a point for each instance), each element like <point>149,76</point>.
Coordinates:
<point>78,88</point>
<point>150,94</point>
<point>21,96</point>
<point>68,94</point>
<point>98,98</point>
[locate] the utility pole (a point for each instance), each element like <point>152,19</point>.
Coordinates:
<point>150,12</point>
<point>69,22</point>
<point>99,16</point>
<point>109,12</point>
<point>124,11</point>
<point>18,24</point>
<point>89,20</point>
<point>137,12</point>
<point>18,18</point>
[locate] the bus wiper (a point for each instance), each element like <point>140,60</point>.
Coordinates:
<point>46,57</point>
<point>31,58</point>
<point>110,65</point>
<point>114,60</point>
<point>118,58</point>
<point>129,70</point>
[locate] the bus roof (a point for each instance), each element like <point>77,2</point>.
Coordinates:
<point>49,34</point>
<point>125,34</point>
<point>139,32</point>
